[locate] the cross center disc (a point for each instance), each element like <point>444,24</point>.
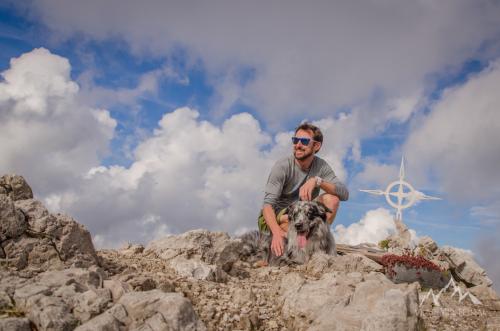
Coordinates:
<point>404,198</point>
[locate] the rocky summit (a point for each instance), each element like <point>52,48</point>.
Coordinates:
<point>52,278</point>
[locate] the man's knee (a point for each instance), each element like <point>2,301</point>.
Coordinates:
<point>332,202</point>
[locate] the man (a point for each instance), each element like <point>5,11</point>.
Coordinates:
<point>299,176</point>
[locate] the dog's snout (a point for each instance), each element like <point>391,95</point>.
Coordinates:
<point>299,226</point>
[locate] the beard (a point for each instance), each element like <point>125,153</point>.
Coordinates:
<point>303,156</point>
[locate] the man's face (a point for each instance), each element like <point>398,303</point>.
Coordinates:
<point>301,151</point>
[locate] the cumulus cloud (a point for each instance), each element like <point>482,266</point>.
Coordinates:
<point>45,134</point>
<point>314,58</point>
<point>457,141</point>
<point>147,86</point>
<point>377,174</point>
<point>376,225</point>
<point>188,174</point>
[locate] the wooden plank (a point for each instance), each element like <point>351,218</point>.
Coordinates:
<point>371,253</point>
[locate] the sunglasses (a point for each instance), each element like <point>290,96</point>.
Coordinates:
<point>303,141</point>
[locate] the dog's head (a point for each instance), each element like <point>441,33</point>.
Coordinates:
<point>304,217</point>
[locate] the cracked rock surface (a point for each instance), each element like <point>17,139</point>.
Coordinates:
<point>51,278</point>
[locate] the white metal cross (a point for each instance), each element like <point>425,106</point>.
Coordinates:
<point>405,194</point>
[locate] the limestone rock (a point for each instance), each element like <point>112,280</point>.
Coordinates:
<point>84,277</point>
<point>176,311</point>
<point>5,300</point>
<point>38,216</point>
<point>45,241</point>
<point>321,263</point>
<point>465,268</point>
<point>428,243</point>
<point>112,319</point>
<point>401,240</point>
<point>200,254</point>
<point>215,248</point>
<point>142,283</point>
<point>104,322</point>
<point>487,296</point>
<point>117,288</point>
<point>91,303</point>
<point>25,293</point>
<point>50,313</point>
<point>15,324</point>
<point>355,262</point>
<point>341,302</point>
<point>131,249</point>
<point>15,187</point>
<point>36,253</point>
<point>12,221</point>
<point>58,285</point>
<point>193,268</point>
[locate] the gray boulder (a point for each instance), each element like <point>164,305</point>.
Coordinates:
<point>91,303</point>
<point>321,263</point>
<point>15,324</point>
<point>203,247</point>
<point>113,319</point>
<point>15,187</point>
<point>192,268</point>
<point>339,301</point>
<point>117,288</point>
<point>12,221</point>
<point>23,294</point>
<point>5,300</point>
<point>464,267</point>
<point>83,277</point>
<point>50,313</point>
<point>428,244</point>
<point>487,296</point>
<point>43,241</point>
<point>166,311</point>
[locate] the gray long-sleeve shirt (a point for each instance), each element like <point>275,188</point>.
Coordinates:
<point>286,178</point>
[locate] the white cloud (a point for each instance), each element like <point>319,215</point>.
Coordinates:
<point>45,134</point>
<point>376,225</point>
<point>147,86</point>
<point>377,175</point>
<point>458,141</point>
<point>189,174</point>
<point>313,58</point>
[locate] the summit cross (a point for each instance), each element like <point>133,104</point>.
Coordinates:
<point>403,192</point>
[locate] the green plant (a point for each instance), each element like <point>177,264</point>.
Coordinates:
<point>384,244</point>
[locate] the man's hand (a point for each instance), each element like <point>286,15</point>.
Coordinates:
<point>277,243</point>
<point>305,191</point>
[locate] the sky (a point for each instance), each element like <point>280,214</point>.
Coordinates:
<point>143,119</point>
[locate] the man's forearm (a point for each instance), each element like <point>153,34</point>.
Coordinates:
<point>270,218</point>
<point>337,189</point>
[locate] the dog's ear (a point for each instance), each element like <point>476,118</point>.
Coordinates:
<point>322,210</point>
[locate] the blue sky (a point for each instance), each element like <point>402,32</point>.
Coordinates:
<point>181,108</point>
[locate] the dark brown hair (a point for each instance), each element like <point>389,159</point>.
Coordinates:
<point>317,135</point>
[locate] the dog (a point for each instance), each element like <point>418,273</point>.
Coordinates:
<point>308,233</point>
